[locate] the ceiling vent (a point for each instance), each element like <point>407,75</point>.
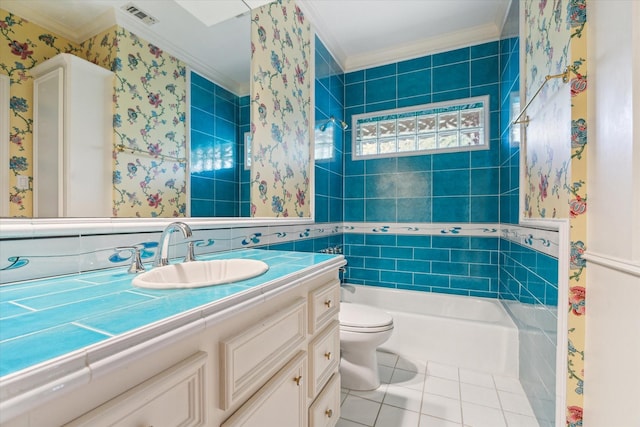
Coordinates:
<point>140,14</point>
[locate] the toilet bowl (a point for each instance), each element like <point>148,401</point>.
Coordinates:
<point>362,330</point>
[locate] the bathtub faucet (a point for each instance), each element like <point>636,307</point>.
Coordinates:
<point>162,257</point>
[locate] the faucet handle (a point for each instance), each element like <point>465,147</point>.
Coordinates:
<point>136,262</point>
<point>190,256</point>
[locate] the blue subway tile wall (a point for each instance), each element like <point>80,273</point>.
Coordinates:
<point>316,244</point>
<point>509,146</point>
<point>446,189</point>
<point>329,102</point>
<point>245,173</point>
<point>453,264</point>
<point>528,282</point>
<point>528,276</point>
<point>215,153</point>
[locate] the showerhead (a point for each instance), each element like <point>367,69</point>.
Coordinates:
<point>332,120</point>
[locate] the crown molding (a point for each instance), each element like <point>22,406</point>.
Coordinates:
<point>473,36</point>
<point>429,46</point>
<point>116,16</point>
<point>31,14</point>
<point>329,40</point>
<point>103,22</point>
<point>140,29</point>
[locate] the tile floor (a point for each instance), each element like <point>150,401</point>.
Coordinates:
<point>429,394</point>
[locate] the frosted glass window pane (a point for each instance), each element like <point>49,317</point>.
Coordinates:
<point>369,147</point>
<point>447,139</point>
<point>427,123</point>
<point>448,121</point>
<point>406,143</point>
<point>227,159</point>
<point>427,141</point>
<point>470,118</point>
<point>470,138</point>
<point>407,126</point>
<point>368,130</point>
<point>386,128</point>
<point>448,126</point>
<point>324,143</point>
<point>387,145</point>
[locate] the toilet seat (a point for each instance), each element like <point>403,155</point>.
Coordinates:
<point>364,319</point>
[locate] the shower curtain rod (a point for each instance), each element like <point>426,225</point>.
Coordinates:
<point>565,79</point>
<point>120,148</point>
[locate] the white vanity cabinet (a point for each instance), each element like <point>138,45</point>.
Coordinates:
<point>298,362</point>
<point>72,138</point>
<point>253,363</point>
<point>175,397</point>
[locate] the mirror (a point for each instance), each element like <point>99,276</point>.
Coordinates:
<point>218,176</point>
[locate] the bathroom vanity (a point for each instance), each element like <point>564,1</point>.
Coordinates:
<point>265,355</point>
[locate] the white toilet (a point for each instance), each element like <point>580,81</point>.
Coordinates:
<point>362,330</point>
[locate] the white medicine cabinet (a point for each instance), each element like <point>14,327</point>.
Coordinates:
<point>73,138</point>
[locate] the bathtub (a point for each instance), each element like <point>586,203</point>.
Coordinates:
<point>468,332</point>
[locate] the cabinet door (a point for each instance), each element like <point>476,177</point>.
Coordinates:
<point>48,162</point>
<point>280,402</point>
<point>175,397</point>
<point>251,357</point>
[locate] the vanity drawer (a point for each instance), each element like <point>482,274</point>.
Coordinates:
<point>174,397</point>
<point>249,358</point>
<point>325,411</point>
<point>324,304</point>
<point>324,353</point>
<point>280,402</point>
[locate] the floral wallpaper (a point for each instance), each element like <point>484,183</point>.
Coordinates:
<point>149,178</point>
<point>547,154</point>
<point>149,174</point>
<point>555,175</point>
<point>23,45</point>
<point>280,101</point>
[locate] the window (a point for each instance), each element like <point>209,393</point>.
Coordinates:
<point>247,151</point>
<point>324,143</point>
<point>457,125</point>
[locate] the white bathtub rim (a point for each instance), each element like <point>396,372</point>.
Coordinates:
<point>505,319</point>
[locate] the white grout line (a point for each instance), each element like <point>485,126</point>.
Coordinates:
<point>422,390</point>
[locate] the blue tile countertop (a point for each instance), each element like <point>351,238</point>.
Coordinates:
<point>44,319</point>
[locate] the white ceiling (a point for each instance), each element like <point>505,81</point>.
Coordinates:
<point>364,33</point>
<point>360,33</point>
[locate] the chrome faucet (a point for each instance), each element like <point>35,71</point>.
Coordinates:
<point>162,257</point>
<point>136,263</point>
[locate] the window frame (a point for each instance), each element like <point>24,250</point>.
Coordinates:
<point>484,100</point>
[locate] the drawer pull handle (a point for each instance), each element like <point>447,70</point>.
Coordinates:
<point>328,355</point>
<point>297,379</point>
<point>328,303</point>
<point>329,413</point>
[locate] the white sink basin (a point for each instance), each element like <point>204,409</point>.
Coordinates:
<point>197,274</point>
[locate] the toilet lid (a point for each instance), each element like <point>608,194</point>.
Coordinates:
<point>363,316</point>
